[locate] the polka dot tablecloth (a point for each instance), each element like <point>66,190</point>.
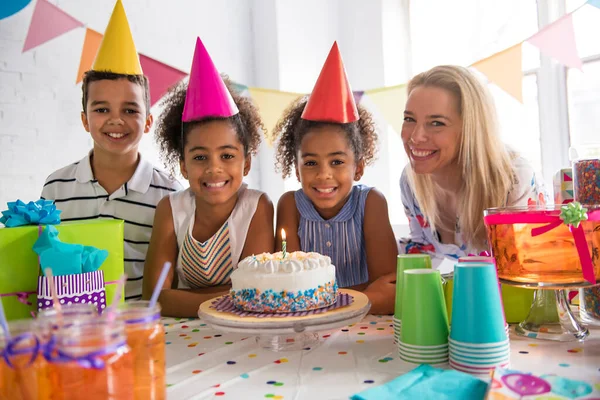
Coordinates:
<point>204,364</point>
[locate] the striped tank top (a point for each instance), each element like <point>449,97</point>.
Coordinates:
<point>210,263</point>
<point>341,237</point>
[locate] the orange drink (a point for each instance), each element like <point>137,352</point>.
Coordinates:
<point>146,338</point>
<point>49,321</point>
<point>532,246</point>
<point>23,369</point>
<point>93,362</point>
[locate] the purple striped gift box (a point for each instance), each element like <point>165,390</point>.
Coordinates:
<point>77,288</point>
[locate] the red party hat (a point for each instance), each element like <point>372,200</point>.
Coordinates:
<point>331,99</point>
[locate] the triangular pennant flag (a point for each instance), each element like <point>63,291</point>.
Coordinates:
<point>390,102</point>
<point>505,69</point>
<point>557,40</point>
<point>48,22</point>
<point>207,95</point>
<point>331,99</point>
<point>567,178</point>
<point>91,44</point>
<point>117,52</point>
<point>271,105</point>
<point>238,87</point>
<point>595,3</point>
<point>358,94</point>
<point>160,76</point>
<point>570,193</point>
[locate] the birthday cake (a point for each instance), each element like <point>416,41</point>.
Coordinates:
<point>272,283</point>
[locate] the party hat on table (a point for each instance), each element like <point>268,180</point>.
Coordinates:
<point>117,51</point>
<point>207,95</point>
<point>331,99</point>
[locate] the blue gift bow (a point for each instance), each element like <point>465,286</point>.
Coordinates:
<point>10,351</point>
<point>89,361</point>
<point>40,212</point>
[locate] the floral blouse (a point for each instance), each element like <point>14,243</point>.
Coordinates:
<point>423,239</point>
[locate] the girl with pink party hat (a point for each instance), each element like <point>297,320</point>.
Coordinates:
<point>211,133</point>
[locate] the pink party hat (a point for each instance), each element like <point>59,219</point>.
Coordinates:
<point>207,95</point>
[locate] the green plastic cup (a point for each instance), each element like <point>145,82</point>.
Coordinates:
<point>424,316</point>
<point>448,284</point>
<point>403,263</point>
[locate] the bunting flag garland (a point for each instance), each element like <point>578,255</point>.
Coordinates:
<point>271,105</point>
<point>48,22</point>
<point>557,40</point>
<point>390,103</point>
<point>595,3</point>
<point>358,94</point>
<point>505,69</point>
<point>160,76</point>
<point>91,44</point>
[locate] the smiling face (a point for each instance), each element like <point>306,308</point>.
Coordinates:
<point>432,129</point>
<point>116,116</point>
<point>214,161</point>
<point>326,168</point>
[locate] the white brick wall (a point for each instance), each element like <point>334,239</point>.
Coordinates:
<point>40,104</point>
<point>264,43</point>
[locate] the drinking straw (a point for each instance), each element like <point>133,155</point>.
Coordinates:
<point>159,284</point>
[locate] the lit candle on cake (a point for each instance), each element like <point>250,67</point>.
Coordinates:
<point>283,243</point>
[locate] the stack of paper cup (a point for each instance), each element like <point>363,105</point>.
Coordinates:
<point>405,262</point>
<point>424,335</point>
<point>478,340</point>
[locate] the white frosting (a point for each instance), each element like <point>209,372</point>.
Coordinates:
<point>297,271</point>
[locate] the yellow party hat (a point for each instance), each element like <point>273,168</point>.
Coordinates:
<point>117,52</point>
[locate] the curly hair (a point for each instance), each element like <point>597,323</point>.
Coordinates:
<point>291,129</point>
<point>247,123</point>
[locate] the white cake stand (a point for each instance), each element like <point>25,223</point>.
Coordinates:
<point>287,333</point>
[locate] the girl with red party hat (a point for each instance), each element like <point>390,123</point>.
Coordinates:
<point>328,140</point>
<point>211,133</point>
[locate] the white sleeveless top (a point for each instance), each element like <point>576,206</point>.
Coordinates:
<point>183,206</point>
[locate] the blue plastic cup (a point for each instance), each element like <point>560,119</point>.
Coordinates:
<point>477,314</point>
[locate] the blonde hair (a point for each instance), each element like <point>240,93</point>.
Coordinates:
<point>486,163</point>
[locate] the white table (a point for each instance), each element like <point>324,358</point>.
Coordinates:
<point>203,363</point>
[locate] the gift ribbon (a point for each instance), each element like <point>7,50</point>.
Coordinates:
<point>484,253</point>
<point>89,361</point>
<point>552,221</point>
<point>10,350</point>
<point>148,318</point>
<point>23,297</point>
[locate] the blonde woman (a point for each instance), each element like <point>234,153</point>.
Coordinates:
<point>458,164</point>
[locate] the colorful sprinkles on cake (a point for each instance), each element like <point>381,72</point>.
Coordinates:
<point>284,302</point>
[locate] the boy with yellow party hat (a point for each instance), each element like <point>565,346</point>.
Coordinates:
<point>113,180</point>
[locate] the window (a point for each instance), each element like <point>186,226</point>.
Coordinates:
<point>464,32</point>
<point>583,88</point>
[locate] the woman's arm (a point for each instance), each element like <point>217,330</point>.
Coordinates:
<point>381,254</point>
<point>287,218</point>
<point>259,238</point>
<point>163,247</point>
